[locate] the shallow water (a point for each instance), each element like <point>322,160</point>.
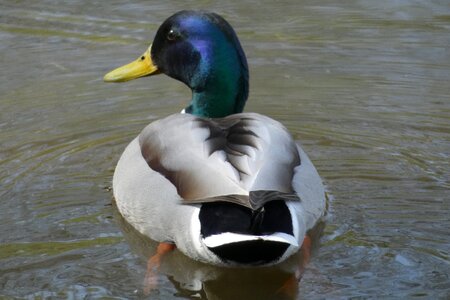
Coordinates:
<point>362,84</point>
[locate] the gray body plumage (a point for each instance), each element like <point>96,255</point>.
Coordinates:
<point>179,162</point>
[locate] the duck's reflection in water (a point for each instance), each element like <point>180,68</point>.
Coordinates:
<point>197,280</point>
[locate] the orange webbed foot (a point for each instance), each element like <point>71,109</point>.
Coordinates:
<point>153,264</point>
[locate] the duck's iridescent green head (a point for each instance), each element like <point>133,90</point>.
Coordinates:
<point>202,50</point>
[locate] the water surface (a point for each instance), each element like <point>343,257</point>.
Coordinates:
<point>363,85</point>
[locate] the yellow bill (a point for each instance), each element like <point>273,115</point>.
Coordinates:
<point>143,66</point>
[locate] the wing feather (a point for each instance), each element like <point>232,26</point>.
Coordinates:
<point>206,158</point>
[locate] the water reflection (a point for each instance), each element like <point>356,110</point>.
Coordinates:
<point>193,279</point>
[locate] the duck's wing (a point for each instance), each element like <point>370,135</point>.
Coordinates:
<point>207,158</point>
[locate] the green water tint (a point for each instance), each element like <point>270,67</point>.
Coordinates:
<point>52,248</point>
<point>94,219</point>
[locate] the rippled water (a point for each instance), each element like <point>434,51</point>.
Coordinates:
<point>364,85</point>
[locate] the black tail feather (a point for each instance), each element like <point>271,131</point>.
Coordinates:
<point>220,217</point>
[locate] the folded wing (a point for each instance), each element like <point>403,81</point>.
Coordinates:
<point>207,158</point>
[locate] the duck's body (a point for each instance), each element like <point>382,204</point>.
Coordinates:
<point>226,187</point>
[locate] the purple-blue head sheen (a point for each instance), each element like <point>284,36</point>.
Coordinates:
<point>202,50</point>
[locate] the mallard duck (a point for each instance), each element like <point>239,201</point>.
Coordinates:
<point>225,187</point>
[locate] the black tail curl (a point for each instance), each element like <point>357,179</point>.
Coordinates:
<point>222,217</point>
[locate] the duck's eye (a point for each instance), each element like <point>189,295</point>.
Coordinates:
<point>172,35</point>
